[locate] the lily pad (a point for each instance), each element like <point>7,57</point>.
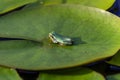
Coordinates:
<point>113,77</point>
<point>95,34</point>
<point>78,74</point>
<point>8,74</point>
<point>8,5</point>
<point>103,4</point>
<point>115,59</point>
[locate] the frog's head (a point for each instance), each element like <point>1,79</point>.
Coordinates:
<point>52,36</point>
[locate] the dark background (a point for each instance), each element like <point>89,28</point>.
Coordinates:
<point>115,9</point>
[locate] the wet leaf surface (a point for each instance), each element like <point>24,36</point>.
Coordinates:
<point>113,77</point>
<point>8,5</point>
<point>8,74</point>
<point>71,74</point>
<point>115,59</point>
<point>103,4</point>
<point>94,32</point>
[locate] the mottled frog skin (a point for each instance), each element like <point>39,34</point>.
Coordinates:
<point>59,39</point>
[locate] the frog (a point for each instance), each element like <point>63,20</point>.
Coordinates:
<point>60,39</point>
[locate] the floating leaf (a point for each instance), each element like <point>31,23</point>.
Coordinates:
<point>95,34</point>
<point>8,74</point>
<point>103,4</point>
<point>8,5</point>
<point>115,59</point>
<point>78,74</point>
<point>113,77</point>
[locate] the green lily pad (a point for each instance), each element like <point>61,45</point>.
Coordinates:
<point>103,4</point>
<point>8,5</point>
<point>113,77</point>
<point>8,74</point>
<point>95,34</point>
<point>115,59</point>
<point>78,74</point>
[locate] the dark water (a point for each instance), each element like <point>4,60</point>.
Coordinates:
<point>28,75</point>
<point>115,9</point>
